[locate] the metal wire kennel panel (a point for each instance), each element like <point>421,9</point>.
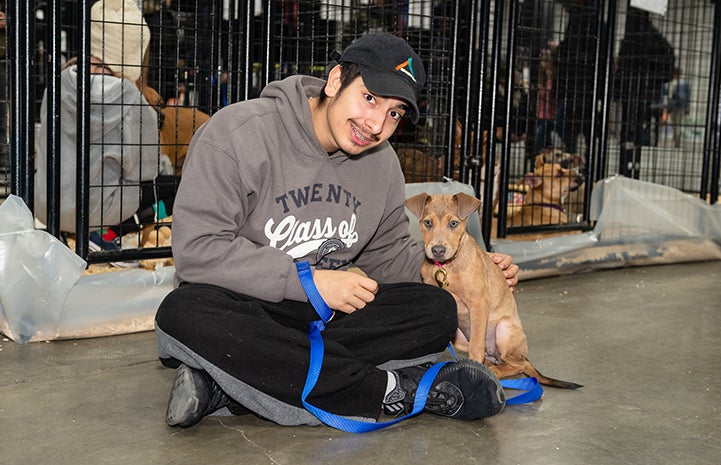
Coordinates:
<point>650,137</point>
<point>203,55</point>
<point>593,87</point>
<point>485,77</point>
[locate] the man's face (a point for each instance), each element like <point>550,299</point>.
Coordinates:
<point>356,119</point>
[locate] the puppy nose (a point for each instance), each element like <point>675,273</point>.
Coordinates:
<point>438,251</point>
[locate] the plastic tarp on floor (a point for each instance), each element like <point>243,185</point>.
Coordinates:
<point>636,224</point>
<point>44,294</point>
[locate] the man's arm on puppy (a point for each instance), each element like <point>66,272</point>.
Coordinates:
<point>348,291</point>
<point>510,269</point>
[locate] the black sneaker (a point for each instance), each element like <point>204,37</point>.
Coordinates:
<point>195,394</point>
<point>466,390</point>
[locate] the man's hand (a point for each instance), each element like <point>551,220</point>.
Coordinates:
<point>345,291</point>
<point>510,269</point>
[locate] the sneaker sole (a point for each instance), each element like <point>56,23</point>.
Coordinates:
<point>94,247</point>
<point>125,264</point>
<point>184,407</point>
<point>479,404</point>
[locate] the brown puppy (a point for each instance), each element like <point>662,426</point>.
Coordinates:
<point>177,127</point>
<point>548,188</point>
<point>487,314</point>
<point>573,202</point>
<point>565,159</point>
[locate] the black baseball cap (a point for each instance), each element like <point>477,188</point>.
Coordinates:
<point>389,67</point>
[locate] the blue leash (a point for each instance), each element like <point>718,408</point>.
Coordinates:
<point>316,362</point>
<point>533,389</point>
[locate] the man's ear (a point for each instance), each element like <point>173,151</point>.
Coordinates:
<point>333,84</point>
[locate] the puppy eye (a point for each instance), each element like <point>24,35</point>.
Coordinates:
<point>453,224</point>
<point>560,174</point>
<point>428,224</point>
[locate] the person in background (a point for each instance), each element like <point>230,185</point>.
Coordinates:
<point>645,63</point>
<point>547,107</point>
<point>678,103</point>
<point>166,52</point>
<point>575,75</point>
<point>305,173</point>
<point>125,189</point>
<point>4,148</point>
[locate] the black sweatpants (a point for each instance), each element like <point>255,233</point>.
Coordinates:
<point>258,351</point>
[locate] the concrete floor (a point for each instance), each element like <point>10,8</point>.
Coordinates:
<point>644,342</point>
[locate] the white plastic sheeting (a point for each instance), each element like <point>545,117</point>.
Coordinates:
<point>636,223</point>
<point>43,295</point>
<point>36,273</point>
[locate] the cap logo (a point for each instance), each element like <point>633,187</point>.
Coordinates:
<point>407,68</point>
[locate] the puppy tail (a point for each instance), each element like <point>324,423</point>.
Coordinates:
<point>530,370</point>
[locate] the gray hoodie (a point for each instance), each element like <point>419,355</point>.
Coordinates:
<point>123,150</point>
<point>259,192</point>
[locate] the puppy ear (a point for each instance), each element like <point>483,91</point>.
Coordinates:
<point>540,159</point>
<point>467,204</point>
<point>416,204</point>
<point>532,180</point>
